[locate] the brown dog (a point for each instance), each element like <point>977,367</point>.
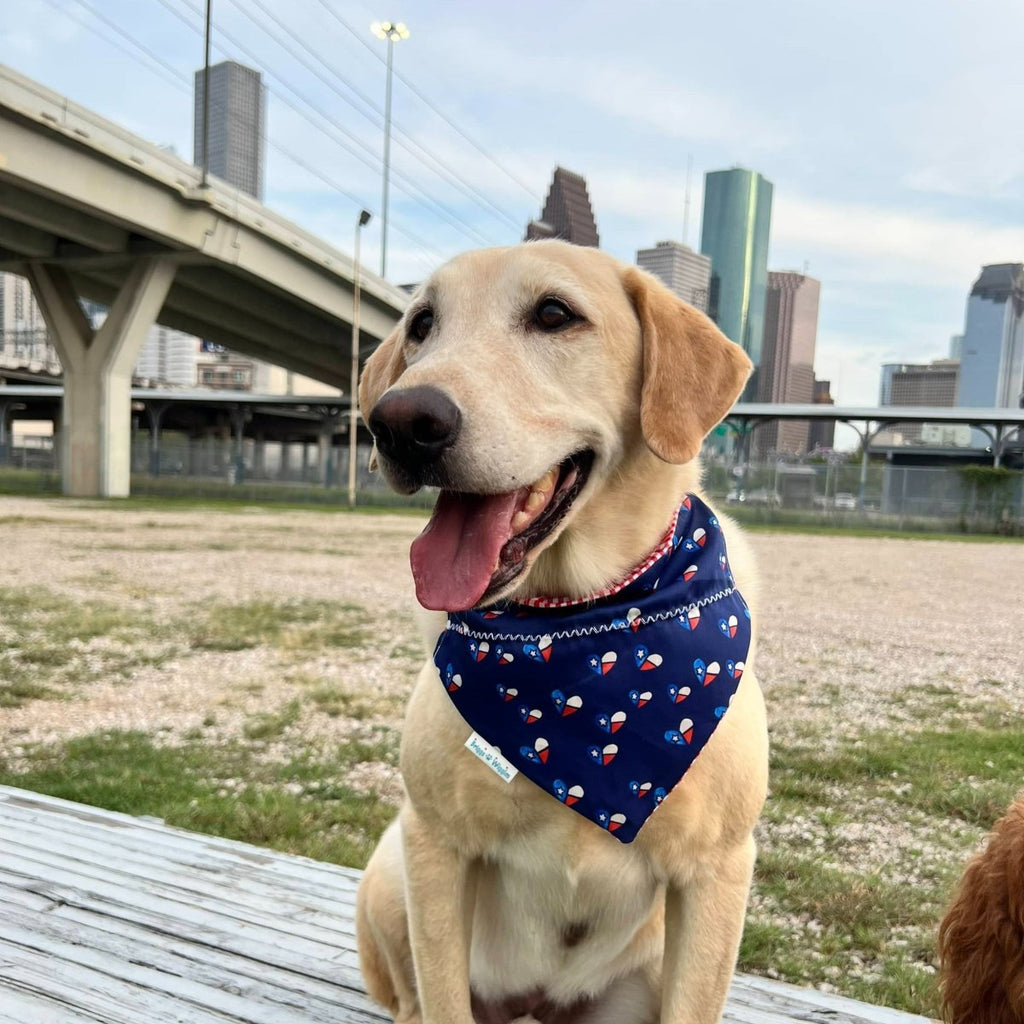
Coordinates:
<point>981,938</point>
<point>559,399</point>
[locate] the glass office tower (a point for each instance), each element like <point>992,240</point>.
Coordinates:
<point>737,219</point>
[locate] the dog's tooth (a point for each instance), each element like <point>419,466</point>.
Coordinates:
<point>547,481</point>
<point>535,500</point>
<point>520,521</point>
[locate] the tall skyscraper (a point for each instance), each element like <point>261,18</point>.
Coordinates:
<point>567,212</point>
<point>737,221</point>
<point>822,433</point>
<point>683,271</point>
<point>992,351</point>
<point>787,356</point>
<point>237,128</point>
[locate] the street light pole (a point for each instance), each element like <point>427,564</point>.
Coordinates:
<point>392,31</point>
<point>353,404</point>
<point>206,95</point>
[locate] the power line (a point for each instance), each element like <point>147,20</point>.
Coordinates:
<point>181,81</point>
<point>410,188</point>
<point>440,113</point>
<point>403,138</point>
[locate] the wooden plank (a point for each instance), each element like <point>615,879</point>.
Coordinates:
<point>806,1004</point>
<point>175,955</point>
<point>323,920</point>
<point>18,807</point>
<point>251,939</point>
<point>108,919</point>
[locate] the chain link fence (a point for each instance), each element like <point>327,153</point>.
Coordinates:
<point>963,499</point>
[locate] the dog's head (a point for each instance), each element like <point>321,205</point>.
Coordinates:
<point>520,381</point>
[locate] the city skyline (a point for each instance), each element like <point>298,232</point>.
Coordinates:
<point>887,207</point>
<point>735,233</point>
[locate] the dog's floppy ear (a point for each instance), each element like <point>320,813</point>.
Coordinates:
<point>692,373</point>
<point>382,369</point>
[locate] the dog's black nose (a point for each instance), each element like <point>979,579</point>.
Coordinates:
<point>415,426</point>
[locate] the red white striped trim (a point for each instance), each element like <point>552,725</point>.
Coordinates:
<point>663,548</point>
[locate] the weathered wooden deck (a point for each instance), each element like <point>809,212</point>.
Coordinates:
<point>109,919</point>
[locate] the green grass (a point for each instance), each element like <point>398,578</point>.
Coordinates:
<point>301,807</point>
<point>269,725</point>
<point>47,640</point>
<point>816,919</point>
<point>46,643</point>
<point>969,774</point>
<point>292,625</point>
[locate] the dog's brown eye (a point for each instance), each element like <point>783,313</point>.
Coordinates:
<point>422,324</point>
<point>551,314</point>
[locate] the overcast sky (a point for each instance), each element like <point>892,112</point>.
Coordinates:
<point>891,130</point>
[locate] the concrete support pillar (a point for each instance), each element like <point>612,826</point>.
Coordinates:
<point>259,460</point>
<point>7,407</point>
<point>328,428</point>
<point>305,461</point>
<point>155,413</point>
<point>239,417</point>
<point>96,435</point>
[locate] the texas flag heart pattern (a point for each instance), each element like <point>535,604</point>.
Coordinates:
<point>538,753</point>
<point>612,822</point>
<point>540,651</point>
<point>729,626</point>
<point>677,694</point>
<point>603,755</point>
<point>706,673</point>
<point>645,660</point>
<point>611,723</point>
<point>684,734</point>
<point>521,679</point>
<point>566,706</point>
<point>690,619</point>
<point>567,794</point>
<point>602,664</point>
<point>697,541</point>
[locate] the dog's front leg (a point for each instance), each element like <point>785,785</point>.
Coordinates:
<point>703,926</point>
<point>440,914</point>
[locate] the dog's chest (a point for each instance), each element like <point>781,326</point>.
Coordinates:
<point>553,908</point>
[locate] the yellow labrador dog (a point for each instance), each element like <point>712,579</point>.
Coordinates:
<point>558,398</point>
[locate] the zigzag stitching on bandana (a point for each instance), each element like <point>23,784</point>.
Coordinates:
<point>464,630</point>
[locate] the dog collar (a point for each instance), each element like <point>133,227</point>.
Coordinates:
<point>606,705</point>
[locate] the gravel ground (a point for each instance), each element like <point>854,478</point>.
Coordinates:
<point>854,632</point>
<point>856,635</point>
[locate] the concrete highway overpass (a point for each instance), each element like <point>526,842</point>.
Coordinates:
<point>88,210</point>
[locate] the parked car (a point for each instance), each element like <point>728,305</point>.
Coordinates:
<point>843,501</point>
<point>764,497</point>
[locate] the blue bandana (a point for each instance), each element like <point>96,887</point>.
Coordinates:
<point>605,704</point>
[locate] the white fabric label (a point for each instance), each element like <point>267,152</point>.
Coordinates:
<point>491,756</point>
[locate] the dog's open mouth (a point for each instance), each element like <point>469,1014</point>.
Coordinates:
<point>476,544</point>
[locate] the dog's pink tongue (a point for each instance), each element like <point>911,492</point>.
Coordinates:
<point>453,558</point>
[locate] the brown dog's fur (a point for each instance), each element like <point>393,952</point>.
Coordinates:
<point>981,938</point>
<point>488,901</point>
